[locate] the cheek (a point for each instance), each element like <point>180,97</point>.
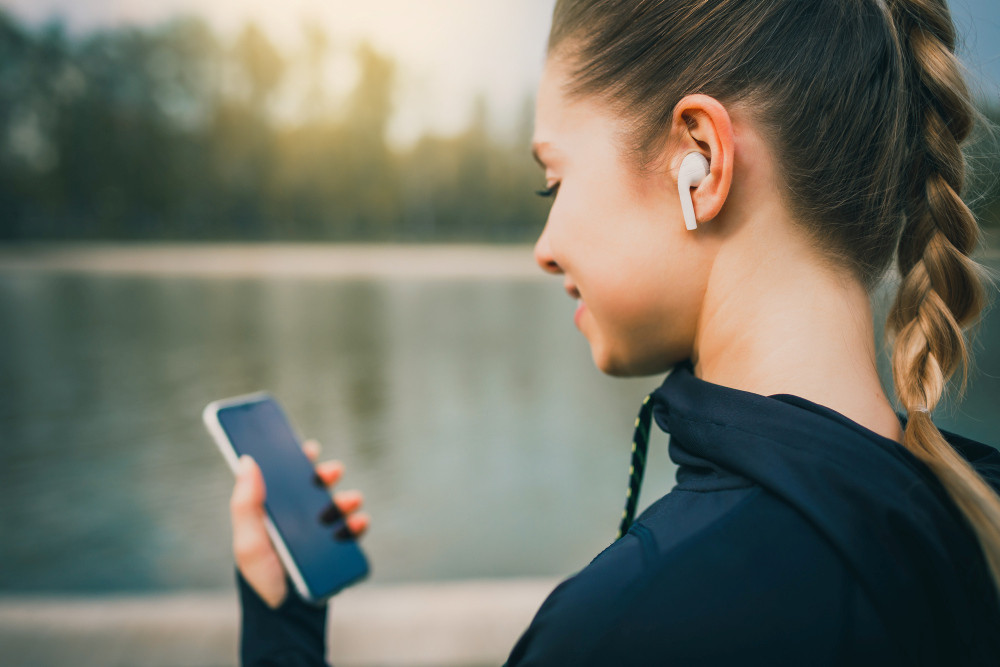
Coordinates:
<point>603,244</point>
<point>657,304</point>
<point>642,274</point>
<point>680,282</point>
<point>647,341</point>
<point>579,235</point>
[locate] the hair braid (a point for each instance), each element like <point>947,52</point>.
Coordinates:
<point>941,292</point>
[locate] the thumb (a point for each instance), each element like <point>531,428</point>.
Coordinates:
<point>249,492</point>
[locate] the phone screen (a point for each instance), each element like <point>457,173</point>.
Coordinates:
<point>300,507</point>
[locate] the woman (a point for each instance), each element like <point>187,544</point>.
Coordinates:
<point>810,524</point>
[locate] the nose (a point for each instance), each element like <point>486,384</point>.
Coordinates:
<point>543,253</point>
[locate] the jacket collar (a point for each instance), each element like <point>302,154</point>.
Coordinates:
<point>883,510</point>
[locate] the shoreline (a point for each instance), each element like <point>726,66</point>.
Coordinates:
<point>454,623</point>
<point>264,260</point>
<point>337,261</point>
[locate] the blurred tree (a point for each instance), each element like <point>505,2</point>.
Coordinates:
<point>259,64</point>
<point>243,140</point>
<point>167,133</point>
<point>23,150</point>
<point>369,174</point>
<point>316,50</point>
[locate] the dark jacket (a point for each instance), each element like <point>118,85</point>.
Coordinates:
<point>794,536</point>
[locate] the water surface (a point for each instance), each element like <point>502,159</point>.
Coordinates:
<point>468,411</point>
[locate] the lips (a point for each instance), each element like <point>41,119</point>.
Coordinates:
<point>574,293</point>
<point>580,307</point>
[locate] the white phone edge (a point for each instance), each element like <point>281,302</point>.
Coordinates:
<point>210,415</point>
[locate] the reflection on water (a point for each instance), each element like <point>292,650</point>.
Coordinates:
<point>469,413</point>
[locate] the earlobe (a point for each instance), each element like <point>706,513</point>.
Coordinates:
<point>701,126</point>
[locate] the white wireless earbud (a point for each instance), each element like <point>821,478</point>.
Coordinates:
<point>694,169</point>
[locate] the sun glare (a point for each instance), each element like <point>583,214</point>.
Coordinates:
<point>447,52</point>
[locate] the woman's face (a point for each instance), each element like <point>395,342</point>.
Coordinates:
<point>616,234</point>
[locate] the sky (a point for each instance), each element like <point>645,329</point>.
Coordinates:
<point>448,50</point>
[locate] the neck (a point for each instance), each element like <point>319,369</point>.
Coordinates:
<point>779,320</point>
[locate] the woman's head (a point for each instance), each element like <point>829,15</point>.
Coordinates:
<point>860,109</point>
<point>822,81</point>
<point>786,75</point>
<point>607,232</point>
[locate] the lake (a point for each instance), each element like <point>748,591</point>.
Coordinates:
<point>466,408</point>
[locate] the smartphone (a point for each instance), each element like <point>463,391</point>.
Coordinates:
<point>308,531</point>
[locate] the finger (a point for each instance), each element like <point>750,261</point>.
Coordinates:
<point>348,501</point>
<point>358,523</point>
<point>248,492</point>
<point>311,449</point>
<point>330,472</point>
<point>250,540</point>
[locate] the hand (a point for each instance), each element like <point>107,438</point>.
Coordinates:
<point>256,557</point>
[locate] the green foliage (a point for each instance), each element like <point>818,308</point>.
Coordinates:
<point>165,133</point>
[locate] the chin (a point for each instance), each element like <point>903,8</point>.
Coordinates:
<point>619,366</point>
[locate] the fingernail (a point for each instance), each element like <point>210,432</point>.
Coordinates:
<point>245,464</point>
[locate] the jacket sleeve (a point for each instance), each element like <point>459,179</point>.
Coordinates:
<point>293,635</point>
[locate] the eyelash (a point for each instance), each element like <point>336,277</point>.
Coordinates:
<point>549,191</point>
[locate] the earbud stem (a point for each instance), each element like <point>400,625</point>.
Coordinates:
<point>693,170</point>
<point>687,206</point>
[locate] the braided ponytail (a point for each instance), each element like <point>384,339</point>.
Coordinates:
<point>941,292</point>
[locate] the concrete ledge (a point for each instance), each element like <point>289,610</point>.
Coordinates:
<point>445,624</point>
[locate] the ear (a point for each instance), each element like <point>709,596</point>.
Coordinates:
<point>700,123</point>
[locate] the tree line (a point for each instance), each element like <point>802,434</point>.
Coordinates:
<point>167,132</point>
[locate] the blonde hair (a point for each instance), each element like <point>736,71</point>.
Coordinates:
<point>940,292</point>
<point>866,108</point>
